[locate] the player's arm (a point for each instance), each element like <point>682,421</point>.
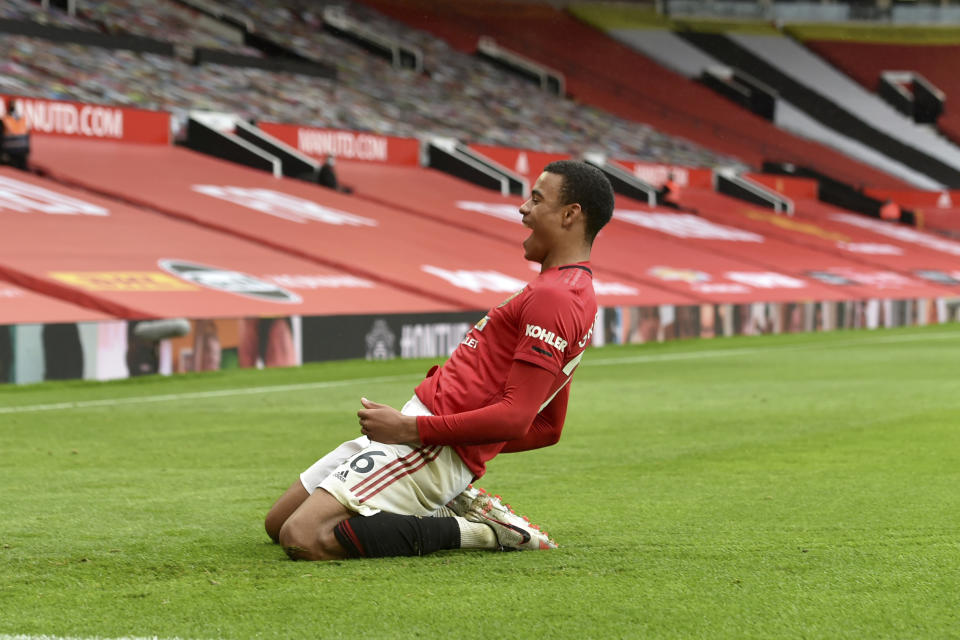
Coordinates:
<point>509,419</point>
<point>552,309</point>
<point>546,428</point>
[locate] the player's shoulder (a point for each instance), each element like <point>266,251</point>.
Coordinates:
<point>561,287</point>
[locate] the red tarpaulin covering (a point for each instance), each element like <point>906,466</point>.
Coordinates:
<point>891,260</point>
<point>941,217</point>
<point>665,265</point>
<point>19,305</point>
<point>432,194</point>
<point>383,243</point>
<point>132,263</point>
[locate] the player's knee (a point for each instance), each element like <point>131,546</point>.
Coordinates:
<point>305,542</point>
<point>297,541</point>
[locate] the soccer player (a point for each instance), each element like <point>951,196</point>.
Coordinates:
<point>402,488</point>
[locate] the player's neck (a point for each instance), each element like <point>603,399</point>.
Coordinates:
<point>560,258</point>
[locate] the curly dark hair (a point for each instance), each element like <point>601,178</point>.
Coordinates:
<point>585,185</point>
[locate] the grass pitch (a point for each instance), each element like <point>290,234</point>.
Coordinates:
<point>770,487</point>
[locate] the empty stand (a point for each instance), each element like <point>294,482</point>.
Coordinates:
<point>928,249</point>
<point>369,96</point>
<point>936,248</point>
<point>461,96</point>
<point>720,264</point>
<point>165,20</point>
<point>595,71</point>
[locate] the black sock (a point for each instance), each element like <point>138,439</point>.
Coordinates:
<point>389,534</point>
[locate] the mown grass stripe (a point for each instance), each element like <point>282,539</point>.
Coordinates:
<point>694,355</point>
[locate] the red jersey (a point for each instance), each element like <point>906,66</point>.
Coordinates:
<point>548,324</point>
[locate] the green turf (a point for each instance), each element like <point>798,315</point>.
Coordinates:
<point>772,487</point>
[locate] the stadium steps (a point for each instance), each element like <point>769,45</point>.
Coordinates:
<point>806,67</point>
<point>865,61</point>
<point>767,58</point>
<point>667,48</point>
<point>794,119</point>
<point>672,51</point>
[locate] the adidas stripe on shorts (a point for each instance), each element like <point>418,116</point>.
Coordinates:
<point>369,477</point>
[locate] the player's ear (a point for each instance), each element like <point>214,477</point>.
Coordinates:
<point>572,213</point>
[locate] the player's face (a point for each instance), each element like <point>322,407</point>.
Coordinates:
<point>542,214</point>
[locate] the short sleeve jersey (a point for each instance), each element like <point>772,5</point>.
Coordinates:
<point>548,323</point>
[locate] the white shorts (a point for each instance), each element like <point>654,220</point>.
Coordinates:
<point>368,477</point>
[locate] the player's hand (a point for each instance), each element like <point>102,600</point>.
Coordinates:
<point>383,423</point>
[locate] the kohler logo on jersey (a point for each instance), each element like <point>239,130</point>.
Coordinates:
<point>549,337</point>
<point>229,281</point>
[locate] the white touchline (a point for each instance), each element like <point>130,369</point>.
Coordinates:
<point>329,384</point>
<point>112,402</point>
<point>46,637</point>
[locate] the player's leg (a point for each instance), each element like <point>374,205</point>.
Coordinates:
<point>298,492</point>
<point>425,481</point>
<point>487,524</point>
<point>345,515</point>
<point>323,529</point>
<point>311,524</point>
<point>376,503</point>
<point>283,508</point>
<point>326,525</point>
<point>392,487</point>
<point>392,534</point>
<point>308,534</point>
